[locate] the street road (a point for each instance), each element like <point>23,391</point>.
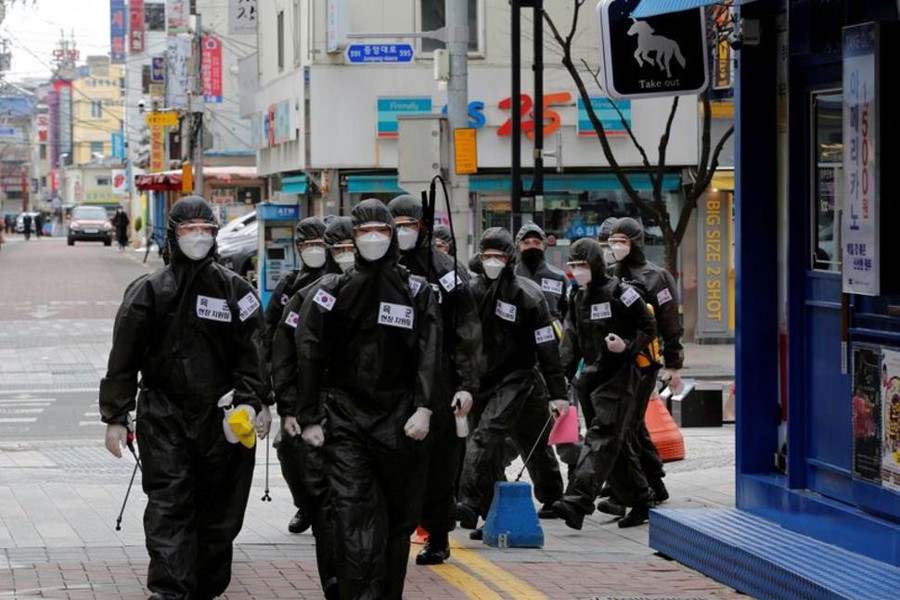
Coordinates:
<point>57,305</point>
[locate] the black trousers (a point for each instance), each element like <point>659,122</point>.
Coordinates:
<point>197,484</point>
<point>531,426</point>
<point>606,452</point>
<point>376,499</point>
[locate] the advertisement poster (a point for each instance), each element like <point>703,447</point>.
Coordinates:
<point>211,70</point>
<point>890,423</point>
<point>136,26</point>
<point>867,413</point>
<point>117,31</point>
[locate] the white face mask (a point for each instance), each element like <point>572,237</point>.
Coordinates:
<point>582,275</point>
<point>608,257</point>
<point>406,238</point>
<point>493,267</point>
<point>313,258</point>
<point>620,250</point>
<point>196,245</point>
<point>372,246</point>
<point>345,260</point>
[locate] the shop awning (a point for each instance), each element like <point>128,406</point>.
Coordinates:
<point>651,8</point>
<point>294,184</point>
<point>373,184</point>
<point>168,181</point>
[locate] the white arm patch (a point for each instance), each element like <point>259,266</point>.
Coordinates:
<point>396,315</point>
<point>248,305</point>
<point>554,286</point>
<point>664,296</point>
<point>629,297</point>
<point>544,335</point>
<point>324,299</point>
<point>414,286</point>
<point>449,281</point>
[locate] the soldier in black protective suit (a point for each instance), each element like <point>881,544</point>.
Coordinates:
<point>659,290</point>
<point>443,239</point>
<point>308,236</point>
<point>460,369</point>
<point>303,466</point>
<point>368,345</point>
<point>531,242</point>
<point>191,329</point>
<point>608,327</point>
<point>517,337</point>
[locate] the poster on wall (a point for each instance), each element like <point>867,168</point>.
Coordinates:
<point>866,408</point>
<point>890,421</point>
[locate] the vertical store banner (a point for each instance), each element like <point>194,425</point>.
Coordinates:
<point>157,149</point>
<point>211,70</point>
<point>866,409</point>
<point>177,15</point>
<point>242,16</point>
<point>117,31</point>
<point>890,421</point>
<point>136,26</point>
<point>859,219</point>
<point>178,52</point>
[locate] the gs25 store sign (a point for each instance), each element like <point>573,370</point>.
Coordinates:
<point>611,113</point>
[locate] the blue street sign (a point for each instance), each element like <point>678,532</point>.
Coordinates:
<point>380,53</point>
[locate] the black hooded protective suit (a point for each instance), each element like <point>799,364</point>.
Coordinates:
<point>533,265</point>
<point>517,337</point>
<point>460,367</point>
<point>368,345</point>
<point>310,228</point>
<point>302,466</point>
<point>609,381</point>
<point>191,331</point>
<point>659,290</point>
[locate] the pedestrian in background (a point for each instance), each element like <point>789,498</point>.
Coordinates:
<point>120,223</point>
<point>9,222</point>
<point>39,224</point>
<point>26,226</point>
<point>186,341</point>
<point>368,346</point>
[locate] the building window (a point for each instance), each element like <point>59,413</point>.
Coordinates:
<point>42,152</point>
<point>434,17</point>
<point>280,29</point>
<point>828,183</point>
<point>103,181</point>
<point>96,109</point>
<point>96,148</point>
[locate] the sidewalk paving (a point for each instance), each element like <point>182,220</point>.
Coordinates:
<point>59,502</point>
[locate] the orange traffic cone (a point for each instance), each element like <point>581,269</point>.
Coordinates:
<point>664,431</point>
<point>420,536</point>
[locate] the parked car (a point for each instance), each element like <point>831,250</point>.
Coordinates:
<point>90,224</point>
<point>236,226</point>
<point>238,251</point>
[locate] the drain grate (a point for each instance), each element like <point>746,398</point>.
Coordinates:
<point>96,461</point>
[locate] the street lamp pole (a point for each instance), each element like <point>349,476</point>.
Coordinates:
<point>60,196</point>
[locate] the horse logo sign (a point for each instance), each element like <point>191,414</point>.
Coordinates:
<point>663,55</point>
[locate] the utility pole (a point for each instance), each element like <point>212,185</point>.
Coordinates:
<point>537,186</point>
<point>196,103</point>
<point>516,165</point>
<point>457,12</point>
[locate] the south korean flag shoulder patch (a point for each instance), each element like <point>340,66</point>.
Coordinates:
<point>324,299</point>
<point>629,296</point>
<point>292,319</point>
<point>414,286</point>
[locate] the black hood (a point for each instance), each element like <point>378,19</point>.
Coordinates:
<point>530,228</point>
<point>588,250</point>
<point>406,205</point>
<point>338,230</point>
<point>310,228</point>
<point>634,231</point>
<point>442,232</point>
<point>499,238</point>
<point>373,210</point>
<point>606,228</point>
<point>187,209</point>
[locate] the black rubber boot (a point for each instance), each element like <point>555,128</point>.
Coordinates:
<point>467,516</point>
<point>660,493</point>
<point>611,506</point>
<point>547,512</point>
<point>300,522</point>
<point>573,517</point>
<point>435,551</point>
<point>477,535</point>
<point>639,515</point>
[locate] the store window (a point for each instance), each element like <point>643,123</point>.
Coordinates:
<point>96,148</point>
<point>828,183</point>
<point>434,17</point>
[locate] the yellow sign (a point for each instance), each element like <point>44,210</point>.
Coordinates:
<point>187,177</point>
<point>168,118</point>
<point>465,151</point>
